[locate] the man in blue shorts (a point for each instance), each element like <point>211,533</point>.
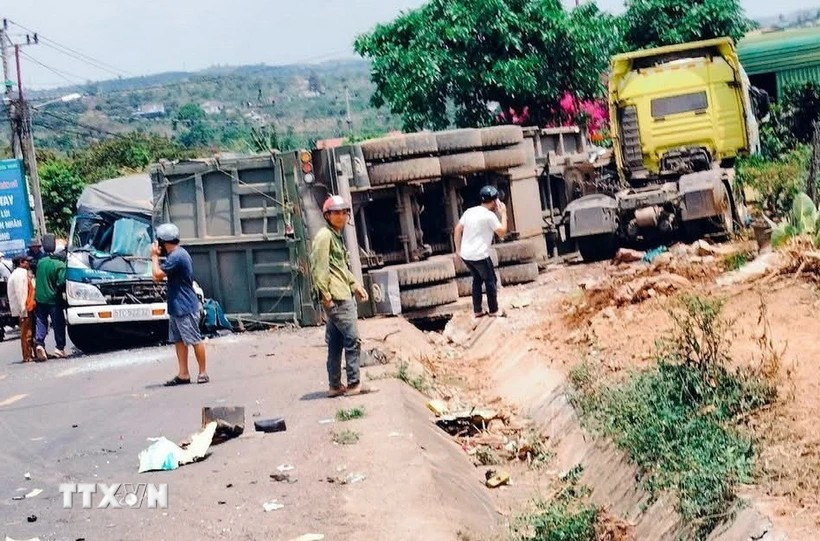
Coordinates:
<point>183,304</point>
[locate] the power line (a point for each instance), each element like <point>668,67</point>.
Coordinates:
<point>80,124</point>
<point>60,73</point>
<point>74,53</point>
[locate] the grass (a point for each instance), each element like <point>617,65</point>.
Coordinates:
<point>343,415</point>
<point>567,516</point>
<point>345,437</point>
<point>735,261</point>
<point>679,420</point>
<point>419,382</point>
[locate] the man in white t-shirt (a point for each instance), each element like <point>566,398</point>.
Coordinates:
<point>473,236</point>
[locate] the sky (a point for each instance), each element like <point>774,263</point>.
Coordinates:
<point>141,37</point>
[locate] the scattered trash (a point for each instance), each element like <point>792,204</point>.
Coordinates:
<point>164,454</point>
<point>395,435</point>
<point>373,357</point>
<point>309,537</point>
<point>74,426</point>
<point>32,539</point>
<point>652,254</point>
<point>495,479</point>
<point>220,502</point>
<point>286,467</point>
<point>32,518</point>
<point>276,424</point>
<point>466,422</point>
<point>327,421</point>
<point>438,407</point>
<point>229,485</point>
<point>349,479</point>
<point>272,505</point>
<point>625,255</point>
<point>27,475</point>
<point>33,494</point>
<point>282,478</point>
<point>230,422</point>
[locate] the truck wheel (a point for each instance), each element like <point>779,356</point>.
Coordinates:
<point>404,171</point>
<point>428,297</point>
<point>458,140</point>
<point>400,146</point>
<point>519,251</point>
<point>504,158</point>
<point>432,271</point>
<point>518,274</point>
<point>462,164</point>
<point>501,136</point>
<point>597,247</point>
<point>87,338</point>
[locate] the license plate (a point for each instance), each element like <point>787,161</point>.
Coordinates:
<point>132,313</point>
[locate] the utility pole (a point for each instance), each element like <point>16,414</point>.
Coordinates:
<point>16,149</point>
<point>348,119</point>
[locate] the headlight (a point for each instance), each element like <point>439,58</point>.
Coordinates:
<point>79,293</point>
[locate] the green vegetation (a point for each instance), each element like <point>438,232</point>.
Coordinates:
<point>567,516</point>
<point>775,182</point>
<point>679,420</point>
<point>419,382</point>
<point>343,415</point>
<point>345,437</point>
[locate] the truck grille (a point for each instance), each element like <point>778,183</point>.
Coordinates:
<point>132,292</point>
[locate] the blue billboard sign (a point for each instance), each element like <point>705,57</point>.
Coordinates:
<point>15,209</point>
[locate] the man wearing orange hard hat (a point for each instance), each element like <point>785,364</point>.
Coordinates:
<point>336,286</point>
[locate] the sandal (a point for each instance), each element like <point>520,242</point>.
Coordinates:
<point>177,381</point>
<point>203,378</point>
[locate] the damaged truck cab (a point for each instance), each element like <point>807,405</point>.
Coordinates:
<point>679,115</point>
<point>111,296</point>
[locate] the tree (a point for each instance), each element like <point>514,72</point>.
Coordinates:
<point>114,157</point>
<point>447,61</point>
<point>61,186</point>
<point>198,133</point>
<point>801,106</point>
<point>654,23</point>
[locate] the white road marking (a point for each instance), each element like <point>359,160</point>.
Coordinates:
<point>12,399</point>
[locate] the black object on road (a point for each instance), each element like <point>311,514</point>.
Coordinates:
<point>276,424</point>
<point>230,422</point>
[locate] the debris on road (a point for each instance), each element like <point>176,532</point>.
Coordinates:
<point>272,505</point>
<point>32,518</point>
<point>438,407</point>
<point>327,421</point>
<point>230,422</point>
<point>27,475</point>
<point>33,494</point>
<point>32,539</point>
<point>521,302</point>
<point>625,255</point>
<point>164,454</point>
<point>286,467</point>
<point>349,479</point>
<point>277,424</point>
<point>495,479</point>
<point>282,478</point>
<point>373,357</point>
<point>653,254</point>
<point>468,422</point>
<point>309,537</point>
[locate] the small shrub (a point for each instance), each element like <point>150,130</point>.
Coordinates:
<point>350,414</point>
<point>567,516</point>
<point>345,437</point>
<point>678,420</point>
<point>776,182</point>
<point>419,382</point>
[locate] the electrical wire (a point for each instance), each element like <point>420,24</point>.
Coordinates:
<point>80,124</point>
<point>60,73</point>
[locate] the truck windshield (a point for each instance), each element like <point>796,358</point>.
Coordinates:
<point>112,244</point>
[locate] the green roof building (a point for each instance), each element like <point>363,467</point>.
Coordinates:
<point>774,60</point>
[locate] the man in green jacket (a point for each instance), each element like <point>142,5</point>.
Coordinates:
<point>336,286</point>
<point>50,281</point>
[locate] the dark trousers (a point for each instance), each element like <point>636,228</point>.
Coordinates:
<point>483,275</point>
<point>342,334</point>
<point>43,313</point>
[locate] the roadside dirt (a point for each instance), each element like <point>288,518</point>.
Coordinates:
<point>614,314</point>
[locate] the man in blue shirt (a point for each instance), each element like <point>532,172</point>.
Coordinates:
<point>183,304</point>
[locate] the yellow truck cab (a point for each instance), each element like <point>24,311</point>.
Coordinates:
<point>679,116</point>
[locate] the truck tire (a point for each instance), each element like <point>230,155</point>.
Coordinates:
<point>519,251</point>
<point>399,146</point>
<point>462,164</point>
<point>504,158</point>
<point>87,338</point>
<point>461,268</point>
<point>518,274</point>
<point>404,171</point>
<point>501,136</point>
<point>459,140</point>
<point>597,247</point>
<point>431,271</point>
<point>428,297</point>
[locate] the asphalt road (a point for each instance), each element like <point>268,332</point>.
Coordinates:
<point>85,419</point>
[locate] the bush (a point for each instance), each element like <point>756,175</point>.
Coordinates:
<point>679,419</point>
<point>775,182</point>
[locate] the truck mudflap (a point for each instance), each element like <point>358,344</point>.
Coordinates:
<point>595,214</point>
<point>703,195</point>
